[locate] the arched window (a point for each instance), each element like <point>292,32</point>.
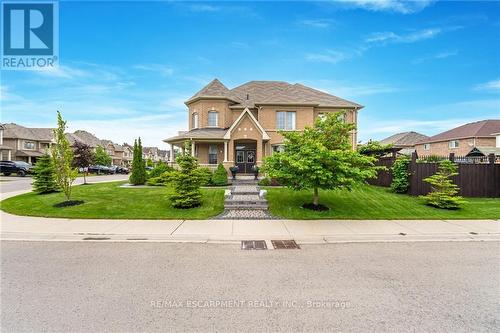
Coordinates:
<point>194,120</point>
<point>213,118</point>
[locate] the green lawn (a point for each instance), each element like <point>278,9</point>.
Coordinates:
<point>108,200</point>
<point>371,202</point>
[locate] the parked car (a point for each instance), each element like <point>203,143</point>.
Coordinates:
<point>18,167</point>
<point>122,170</point>
<point>100,169</point>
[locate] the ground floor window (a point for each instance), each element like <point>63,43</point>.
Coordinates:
<point>212,154</point>
<point>278,148</point>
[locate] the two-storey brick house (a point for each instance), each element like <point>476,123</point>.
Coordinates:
<point>240,126</point>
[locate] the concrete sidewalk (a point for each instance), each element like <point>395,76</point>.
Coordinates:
<point>303,231</point>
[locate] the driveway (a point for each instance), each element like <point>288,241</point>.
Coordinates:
<point>158,287</point>
<point>17,184</point>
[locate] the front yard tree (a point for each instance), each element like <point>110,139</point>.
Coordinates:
<point>84,157</point>
<point>138,176</point>
<point>444,193</point>
<point>62,158</point>
<point>320,157</point>
<point>101,157</point>
<point>44,176</point>
<point>186,181</point>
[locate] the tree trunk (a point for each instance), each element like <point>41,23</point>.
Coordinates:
<point>84,179</point>
<point>316,197</point>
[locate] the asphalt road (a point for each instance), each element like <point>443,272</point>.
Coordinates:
<point>131,287</point>
<point>15,184</point>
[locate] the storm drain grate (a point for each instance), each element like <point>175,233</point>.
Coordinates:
<point>254,245</point>
<point>285,244</point>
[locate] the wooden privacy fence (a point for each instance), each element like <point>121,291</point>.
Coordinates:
<point>474,179</point>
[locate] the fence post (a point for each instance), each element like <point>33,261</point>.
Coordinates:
<point>491,158</point>
<point>452,157</point>
<point>413,168</point>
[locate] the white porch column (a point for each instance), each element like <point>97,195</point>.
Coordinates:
<point>193,148</point>
<point>29,159</point>
<point>9,155</point>
<point>172,153</point>
<point>225,151</point>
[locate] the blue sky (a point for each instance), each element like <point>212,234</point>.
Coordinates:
<point>127,67</point>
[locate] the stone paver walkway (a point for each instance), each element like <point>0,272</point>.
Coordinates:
<point>245,202</point>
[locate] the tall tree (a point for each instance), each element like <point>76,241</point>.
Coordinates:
<point>101,157</point>
<point>320,157</point>
<point>44,175</point>
<point>62,158</point>
<point>186,181</point>
<point>138,176</point>
<point>84,157</point>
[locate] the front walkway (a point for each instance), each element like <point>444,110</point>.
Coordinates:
<point>306,231</point>
<point>244,200</point>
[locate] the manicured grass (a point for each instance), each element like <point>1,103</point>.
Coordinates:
<point>108,200</point>
<point>371,202</point>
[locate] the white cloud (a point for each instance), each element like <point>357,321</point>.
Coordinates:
<point>157,68</point>
<point>204,8</point>
<point>437,56</point>
<point>412,37</point>
<point>397,6</point>
<point>329,56</point>
<point>63,72</point>
<point>493,85</point>
<point>316,23</point>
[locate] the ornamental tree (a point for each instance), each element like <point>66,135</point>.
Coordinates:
<point>62,158</point>
<point>138,176</point>
<point>186,181</point>
<point>320,157</point>
<point>444,193</point>
<point>84,157</point>
<point>44,176</point>
<point>400,175</point>
<point>101,157</point>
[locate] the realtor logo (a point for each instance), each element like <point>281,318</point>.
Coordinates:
<point>30,34</point>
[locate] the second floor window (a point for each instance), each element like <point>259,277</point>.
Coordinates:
<point>212,118</point>
<point>285,120</point>
<point>453,144</point>
<point>29,145</point>
<point>194,120</point>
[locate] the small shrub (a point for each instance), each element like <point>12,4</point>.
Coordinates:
<point>205,175</point>
<point>400,181</point>
<point>163,180</point>
<point>443,191</point>
<point>159,169</point>
<point>265,182</point>
<point>186,181</point>
<point>219,177</point>
<point>44,176</point>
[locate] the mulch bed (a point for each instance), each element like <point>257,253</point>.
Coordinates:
<point>319,208</point>
<point>69,203</point>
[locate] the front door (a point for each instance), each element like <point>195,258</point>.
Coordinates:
<point>245,160</point>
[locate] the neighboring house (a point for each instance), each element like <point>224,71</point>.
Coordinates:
<point>405,141</point>
<point>240,126</point>
<point>85,137</point>
<point>128,154</point>
<point>21,143</point>
<point>5,151</point>
<point>462,140</point>
<point>163,155</point>
<point>151,153</point>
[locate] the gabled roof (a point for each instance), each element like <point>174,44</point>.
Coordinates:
<point>87,138</point>
<point>255,93</point>
<point>215,89</point>
<point>483,128</point>
<point>246,112</point>
<point>15,131</point>
<point>484,151</point>
<point>405,139</point>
